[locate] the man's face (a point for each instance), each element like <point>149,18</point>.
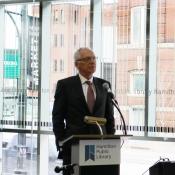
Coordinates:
<point>86,69</point>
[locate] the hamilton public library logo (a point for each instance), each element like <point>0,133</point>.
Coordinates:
<point>89,152</point>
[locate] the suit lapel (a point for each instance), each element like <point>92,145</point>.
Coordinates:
<point>97,87</point>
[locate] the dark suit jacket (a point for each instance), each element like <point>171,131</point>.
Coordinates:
<point>70,107</point>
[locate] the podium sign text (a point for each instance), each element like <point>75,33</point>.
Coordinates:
<point>99,152</point>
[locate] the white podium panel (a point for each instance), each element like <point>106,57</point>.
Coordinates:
<point>99,152</point>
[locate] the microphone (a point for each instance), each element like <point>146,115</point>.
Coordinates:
<point>115,103</point>
<point>58,169</point>
<point>93,120</point>
<point>106,86</point>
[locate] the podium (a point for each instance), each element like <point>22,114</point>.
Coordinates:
<point>96,154</point>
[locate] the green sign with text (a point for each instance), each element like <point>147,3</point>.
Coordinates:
<point>11,64</point>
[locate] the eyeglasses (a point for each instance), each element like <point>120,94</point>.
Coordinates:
<point>88,59</point>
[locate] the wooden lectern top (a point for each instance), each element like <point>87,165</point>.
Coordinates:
<point>92,137</point>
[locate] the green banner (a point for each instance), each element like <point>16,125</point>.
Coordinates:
<point>11,64</point>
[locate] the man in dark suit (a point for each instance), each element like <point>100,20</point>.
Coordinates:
<point>71,103</point>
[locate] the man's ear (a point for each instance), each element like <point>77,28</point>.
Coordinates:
<point>76,64</point>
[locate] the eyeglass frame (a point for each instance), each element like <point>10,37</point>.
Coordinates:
<point>88,59</point>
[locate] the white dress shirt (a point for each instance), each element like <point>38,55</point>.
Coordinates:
<point>85,85</point>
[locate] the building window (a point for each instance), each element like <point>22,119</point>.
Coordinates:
<point>55,40</point>
<point>76,17</point>
<point>61,65</point>
<point>56,17</point>
<point>138,27</point>
<point>84,30</point>
<point>62,40</point>
<point>75,40</point>
<point>136,117</point>
<point>106,72</point>
<point>54,65</point>
<point>62,16</point>
<point>137,83</point>
<point>54,88</point>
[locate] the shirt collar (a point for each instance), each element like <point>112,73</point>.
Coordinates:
<point>83,80</point>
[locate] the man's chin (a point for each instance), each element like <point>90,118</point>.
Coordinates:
<point>92,71</point>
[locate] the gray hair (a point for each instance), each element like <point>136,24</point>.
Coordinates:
<point>77,53</point>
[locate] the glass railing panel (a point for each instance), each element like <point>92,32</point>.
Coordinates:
<point>137,156</point>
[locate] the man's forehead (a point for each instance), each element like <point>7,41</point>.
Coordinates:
<point>86,51</point>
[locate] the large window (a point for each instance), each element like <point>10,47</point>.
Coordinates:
<point>136,118</point>
<point>85,31</point>
<point>61,65</point>
<point>138,25</point>
<point>107,72</point>
<point>55,66</point>
<point>75,40</point>
<point>62,40</point>
<point>37,51</point>
<point>138,82</point>
<point>62,16</point>
<point>54,88</point>
<point>56,17</point>
<point>76,17</point>
<point>55,43</point>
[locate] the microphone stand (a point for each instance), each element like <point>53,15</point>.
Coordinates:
<point>68,167</point>
<point>114,102</point>
<point>72,170</point>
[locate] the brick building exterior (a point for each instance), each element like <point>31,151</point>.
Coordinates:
<point>70,29</point>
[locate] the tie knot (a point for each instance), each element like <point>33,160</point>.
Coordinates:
<point>88,82</point>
